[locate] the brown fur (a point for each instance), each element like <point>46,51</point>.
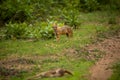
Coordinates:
<point>55,73</point>
<point>65,30</point>
<point>52,73</point>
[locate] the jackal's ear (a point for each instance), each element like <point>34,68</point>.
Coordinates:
<point>54,24</point>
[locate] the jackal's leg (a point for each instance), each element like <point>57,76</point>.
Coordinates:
<point>58,37</point>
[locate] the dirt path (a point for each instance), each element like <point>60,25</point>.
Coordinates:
<point>101,70</point>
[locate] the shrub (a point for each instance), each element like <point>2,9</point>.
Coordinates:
<point>71,18</point>
<point>17,10</point>
<point>16,31</point>
<point>89,5</point>
<point>33,31</point>
<point>47,31</point>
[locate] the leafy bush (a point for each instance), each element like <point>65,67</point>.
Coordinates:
<point>89,5</point>
<point>32,31</point>
<point>47,31</point>
<point>18,10</point>
<point>71,18</point>
<point>21,10</point>
<point>16,31</point>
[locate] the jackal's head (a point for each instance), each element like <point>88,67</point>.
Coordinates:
<point>54,26</point>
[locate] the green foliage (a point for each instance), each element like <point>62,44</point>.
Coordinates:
<point>33,31</point>
<point>15,31</point>
<point>70,17</point>
<point>89,5</point>
<point>115,4</point>
<point>47,32</point>
<point>22,10</point>
<point>17,10</point>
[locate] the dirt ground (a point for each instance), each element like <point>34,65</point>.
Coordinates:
<point>102,68</point>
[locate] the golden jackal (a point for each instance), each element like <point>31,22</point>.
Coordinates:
<point>51,73</point>
<point>65,30</point>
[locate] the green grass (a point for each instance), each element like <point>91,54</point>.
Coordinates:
<point>100,17</point>
<point>86,34</point>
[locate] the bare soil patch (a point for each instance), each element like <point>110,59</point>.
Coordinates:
<point>13,65</point>
<point>102,68</point>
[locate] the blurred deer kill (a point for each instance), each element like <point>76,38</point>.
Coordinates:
<point>65,30</point>
<point>52,73</point>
